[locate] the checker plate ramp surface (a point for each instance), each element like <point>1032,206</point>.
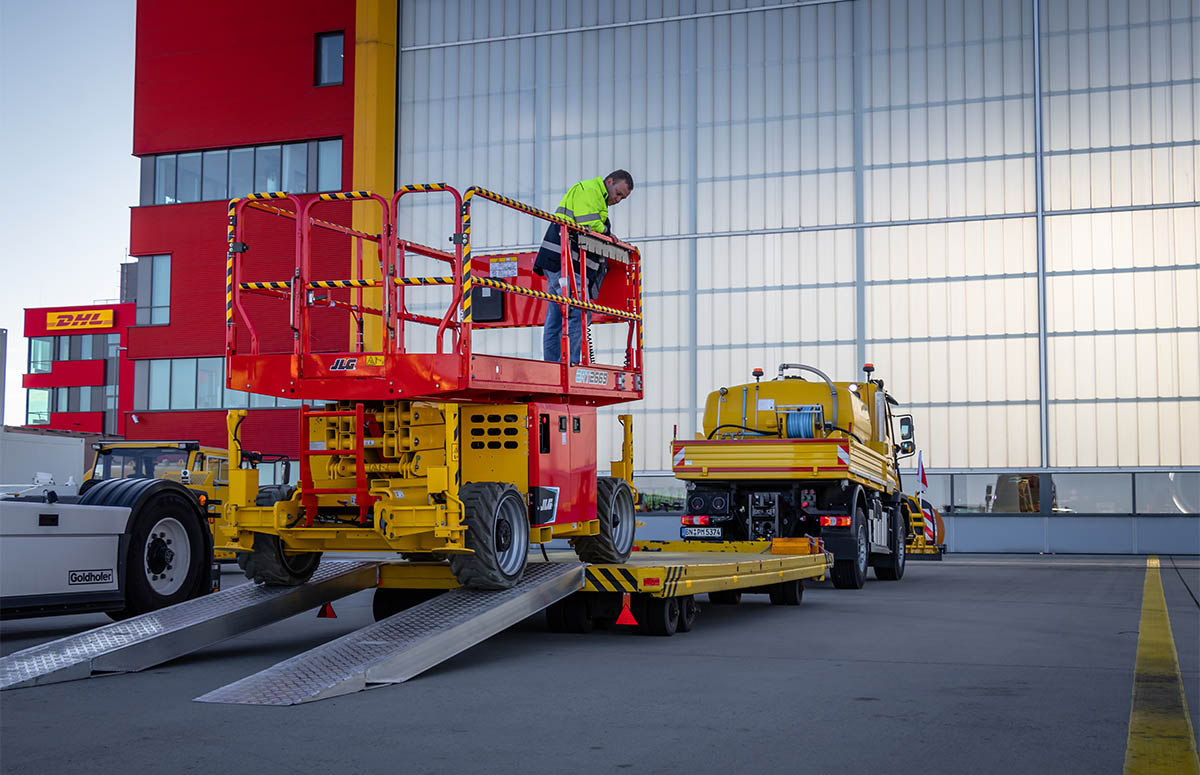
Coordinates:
<point>406,644</point>
<point>156,637</point>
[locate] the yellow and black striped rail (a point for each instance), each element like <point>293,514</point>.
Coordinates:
<point>345,283</point>
<point>489,282</point>
<point>268,286</point>
<point>423,280</point>
<point>413,188</point>
<point>345,196</point>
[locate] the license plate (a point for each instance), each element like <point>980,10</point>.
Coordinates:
<point>700,532</point>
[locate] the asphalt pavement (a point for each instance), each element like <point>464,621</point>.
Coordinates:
<point>975,664</point>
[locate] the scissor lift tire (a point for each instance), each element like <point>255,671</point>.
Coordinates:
<point>614,508</point>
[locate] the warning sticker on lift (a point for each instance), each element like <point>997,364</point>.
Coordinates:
<point>503,266</point>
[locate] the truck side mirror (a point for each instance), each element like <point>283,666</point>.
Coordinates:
<point>907,448</point>
<point>906,427</point>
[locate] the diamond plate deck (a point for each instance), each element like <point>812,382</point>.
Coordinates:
<point>404,645</point>
<point>153,638</point>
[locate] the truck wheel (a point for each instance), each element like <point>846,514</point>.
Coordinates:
<point>892,568</point>
<point>787,592</point>
<point>725,597</point>
<point>614,508</point>
<point>660,616</point>
<point>687,612</point>
<point>851,573</point>
<point>168,554</point>
<point>498,530</point>
<point>389,602</point>
<point>268,563</point>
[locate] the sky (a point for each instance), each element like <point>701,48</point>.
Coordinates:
<point>67,173</point>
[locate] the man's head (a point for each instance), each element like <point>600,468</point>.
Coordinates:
<point>619,184</point>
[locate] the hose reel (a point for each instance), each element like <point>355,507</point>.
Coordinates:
<point>804,422</point>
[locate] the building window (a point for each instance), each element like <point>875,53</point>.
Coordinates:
<point>62,399</point>
<point>37,406</point>
<point>152,290</point>
<point>223,174</point>
<point>41,355</point>
<point>329,57</point>
<point>183,384</point>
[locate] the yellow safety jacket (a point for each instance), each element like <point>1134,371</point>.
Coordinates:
<point>586,204</point>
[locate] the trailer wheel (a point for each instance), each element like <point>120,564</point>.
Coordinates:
<point>614,508</point>
<point>892,568</point>
<point>851,573</point>
<point>389,602</point>
<point>498,531</point>
<point>787,592</point>
<point>687,612</point>
<point>660,616</point>
<point>169,549</point>
<point>725,597</point>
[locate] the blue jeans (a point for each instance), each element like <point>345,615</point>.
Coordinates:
<point>552,332</point>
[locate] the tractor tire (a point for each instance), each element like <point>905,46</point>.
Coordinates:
<point>851,573</point>
<point>687,612</point>
<point>787,592</point>
<point>498,530</point>
<point>725,597</point>
<point>389,602</point>
<point>892,568</point>
<point>659,616</point>
<point>614,508</point>
<point>169,549</point>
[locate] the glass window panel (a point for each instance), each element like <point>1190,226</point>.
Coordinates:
<point>210,378</point>
<point>187,178</point>
<point>85,399</point>
<point>160,384</point>
<point>164,179</point>
<point>216,175</point>
<point>37,407</point>
<point>1174,492</point>
<point>267,159</point>
<point>330,49</point>
<point>41,354</point>
<point>329,165</point>
<point>295,167</point>
<point>241,172</point>
<point>62,399</point>
<point>236,399</point>
<point>85,348</point>
<point>1092,494</point>
<point>997,493</point>
<point>141,385</point>
<point>63,346</point>
<point>260,401</point>
<point>183,383</point>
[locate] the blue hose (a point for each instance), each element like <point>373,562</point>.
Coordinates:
<point>803,423</point>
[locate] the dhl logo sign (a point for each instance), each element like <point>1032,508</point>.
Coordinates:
<point>81,319</point>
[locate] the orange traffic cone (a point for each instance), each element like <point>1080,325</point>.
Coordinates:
<point>326,612</point>
<point>626,616</point>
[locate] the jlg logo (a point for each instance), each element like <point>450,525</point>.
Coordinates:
<point>344,364</point>
<point>547,504</point>
<point>82,319</point>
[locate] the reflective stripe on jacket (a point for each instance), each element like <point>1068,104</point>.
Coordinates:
<point>586,204</point>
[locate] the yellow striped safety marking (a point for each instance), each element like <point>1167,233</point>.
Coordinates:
<point>1161,739</point>
<point>272,286</point>
<point>557,299</point>
<point>611,579</point>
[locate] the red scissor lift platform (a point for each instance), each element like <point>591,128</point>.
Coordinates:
<point>454,370</point>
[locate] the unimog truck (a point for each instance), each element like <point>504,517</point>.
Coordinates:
<point>792,457</point>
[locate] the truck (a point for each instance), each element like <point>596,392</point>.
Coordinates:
<point>793,457</point>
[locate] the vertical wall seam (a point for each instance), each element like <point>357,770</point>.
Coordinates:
<point>1040,194</point>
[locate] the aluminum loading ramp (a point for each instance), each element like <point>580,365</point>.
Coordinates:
<point>399,647</point>
<point>151,639</point>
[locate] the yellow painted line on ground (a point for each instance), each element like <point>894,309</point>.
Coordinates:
<point>1161,739</point>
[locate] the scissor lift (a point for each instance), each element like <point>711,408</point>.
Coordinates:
<point>446,452</point>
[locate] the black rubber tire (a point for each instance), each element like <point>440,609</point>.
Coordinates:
<point>687,613</point>
<point>659,616</point>
<point>615,510</point>
<point>725,597</point>
<point>851,573</point>
<point>787,592</point>
<point>389,602</point>
<point>267,562</point>
<point>150,501</point>
<point>892,568</point>
<point>488,506</point>
<point>575,615</point>
<point>87,485</point>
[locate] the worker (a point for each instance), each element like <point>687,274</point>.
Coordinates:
<point>585,204</point>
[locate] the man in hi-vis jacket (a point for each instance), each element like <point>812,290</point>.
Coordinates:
<point>585,204</point>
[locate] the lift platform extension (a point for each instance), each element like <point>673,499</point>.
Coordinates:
<point>159,636</point>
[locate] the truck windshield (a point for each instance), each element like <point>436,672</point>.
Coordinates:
<point>138,463</point>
